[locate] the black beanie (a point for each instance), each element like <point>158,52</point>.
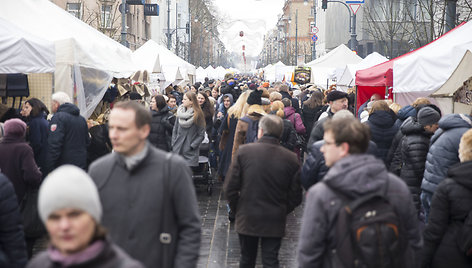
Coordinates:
<point>428,116</point>
<point>255,97</point>
<point>336,95</point>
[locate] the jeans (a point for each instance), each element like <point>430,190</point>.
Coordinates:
<point>426,203</point>
<point>270,251</point>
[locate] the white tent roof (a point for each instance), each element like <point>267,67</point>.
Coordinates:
<point>445,94</point>
<point>340,56</point>
<point>91,48</point>
<point>201,74</point>
<point>22,52</point>
<point>210,72</point>
<point>428,68</point>
<point>348,76</point>
<point>456,80</point>
<point>325,66</point>
<point>220,72</point>
<point>151,55</point>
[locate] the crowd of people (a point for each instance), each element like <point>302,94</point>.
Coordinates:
<point>385,185</point>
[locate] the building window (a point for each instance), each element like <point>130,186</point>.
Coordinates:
<point>75,9</point>
<point>105,16</point>
<point>179,20</point>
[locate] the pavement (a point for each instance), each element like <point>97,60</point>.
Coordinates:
<point>220,244</point>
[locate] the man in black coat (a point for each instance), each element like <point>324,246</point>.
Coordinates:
<point>68,134</point>
<point>229,86</point>
<point>12,239</point>
<point>263,189</point>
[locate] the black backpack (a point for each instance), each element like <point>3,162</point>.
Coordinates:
<point>368,232</point>
<point>253,126</point>
<point>464,236</point>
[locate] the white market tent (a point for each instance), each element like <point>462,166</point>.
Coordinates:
<point>220,72</point>
<point>348,76</point>
<point>156,58</point>
<point>271,71</point>
<point>426,69</point>
<point>323,67</point>
<point>445,94</point>
<point>23,52</point>
<point>86,59</point>
<point>211,73</point>
<point>200,74</point>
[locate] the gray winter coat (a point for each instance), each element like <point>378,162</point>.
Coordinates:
<point>186,142</point>
<point>354,175</point>
<point>443,151</point>
<point>132,202</point>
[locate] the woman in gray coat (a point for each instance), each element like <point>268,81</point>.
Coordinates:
<point>189,129</point>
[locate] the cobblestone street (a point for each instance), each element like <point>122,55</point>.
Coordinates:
<point>220,244</point>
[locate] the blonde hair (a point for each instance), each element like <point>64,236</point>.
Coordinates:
<point>465,146</point>
<point>395,107</point>
<point>278,107</point>
<point>420,101</point>
<point>379,105</point>
<point>239,109</point>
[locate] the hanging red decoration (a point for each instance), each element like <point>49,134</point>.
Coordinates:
<point>241,33</point>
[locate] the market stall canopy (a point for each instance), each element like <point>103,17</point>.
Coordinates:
<point>201,74</point>
<point>151,54</point>
<point>23,52</point>
<point>417,73</point>
<point>348,76</point>
<point>272,72</point>
<point>322,67</point>
<point>86,59</point>
<point>453,94</point>
<point>211,74</point>
<point>220,72</point>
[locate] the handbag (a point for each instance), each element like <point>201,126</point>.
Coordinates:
<point>32,225</point>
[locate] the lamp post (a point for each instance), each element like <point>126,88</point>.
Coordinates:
<point>123,24</point>
<point>169,40</point>
<point>296,37</point>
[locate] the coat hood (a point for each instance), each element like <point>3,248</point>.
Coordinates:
<point>461,174</point>
<point>69,108</point>
<point>357,175</point>
<point>288,111</point>
<point>406,112</point>
<point>383,119</point>
<point>411,126</point>
<point>455,121</point>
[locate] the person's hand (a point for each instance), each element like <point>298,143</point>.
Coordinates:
<point>219,115</point>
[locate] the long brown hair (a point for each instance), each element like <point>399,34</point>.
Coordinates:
<point>198,117</point>
<point>315,100</point>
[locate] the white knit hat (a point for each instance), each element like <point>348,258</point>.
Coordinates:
<point>69,187</point>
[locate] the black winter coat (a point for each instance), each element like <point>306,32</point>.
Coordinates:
<point>450,205</point>
<point>38,139</point>
<point>308,117</point>
<point>382,131</point>
<point>12,240</point>
<point>68,138</point>
<point>414,149</point>
<point>289,136</point>
<point>162,125</point>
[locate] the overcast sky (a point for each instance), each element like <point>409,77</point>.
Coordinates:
<point>254,17</point>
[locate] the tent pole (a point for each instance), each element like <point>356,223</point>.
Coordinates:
<point>355,103</point>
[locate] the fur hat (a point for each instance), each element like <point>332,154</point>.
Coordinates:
<point>255,97</point>
<point>428,116</point>
<point>14,128</point>
<point>336,95</point>
<point>229,76</point>
<point>69,187</point>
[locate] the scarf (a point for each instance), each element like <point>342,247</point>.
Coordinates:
<point>85,255</point>
<point>185,116</point>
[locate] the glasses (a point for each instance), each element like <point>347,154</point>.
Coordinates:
<point>327,143</point>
